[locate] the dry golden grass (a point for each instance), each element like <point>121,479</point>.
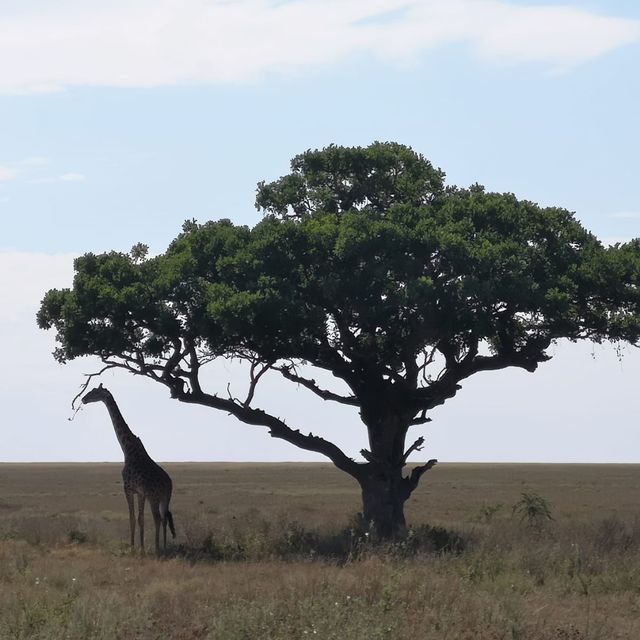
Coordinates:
<point>260,554</point>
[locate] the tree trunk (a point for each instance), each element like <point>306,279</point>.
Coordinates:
<point>384,490</point>
<point>384,493</point>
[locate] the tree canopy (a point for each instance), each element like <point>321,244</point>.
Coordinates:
<point>364,265</point>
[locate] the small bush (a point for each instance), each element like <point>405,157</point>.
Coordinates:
<point>488,511</point>
<point>76,536</point>
<point>532,509</point>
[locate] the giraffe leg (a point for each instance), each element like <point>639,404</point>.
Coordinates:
<point>132,517</point>
<point>155,512</point>
<point>141,500</point>
<point>163,519</point>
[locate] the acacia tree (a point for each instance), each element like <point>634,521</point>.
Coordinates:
<point>364,266</point>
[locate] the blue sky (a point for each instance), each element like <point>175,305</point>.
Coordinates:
<point>120,120</point>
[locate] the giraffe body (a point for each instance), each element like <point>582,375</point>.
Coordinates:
<point>141,475</point>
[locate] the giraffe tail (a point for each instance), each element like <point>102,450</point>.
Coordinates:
<point>170,522</point>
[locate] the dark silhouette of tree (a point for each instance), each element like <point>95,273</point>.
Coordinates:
<point>364,266</point>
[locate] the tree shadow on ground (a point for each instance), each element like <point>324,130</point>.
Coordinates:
<point>294,542</point>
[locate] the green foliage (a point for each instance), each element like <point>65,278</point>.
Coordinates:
<point>532,509</point>
<point>372,235</point>
<point>487,512</point>
<point>340,179</point>
<point>139,252</point>
<point>77,536</point>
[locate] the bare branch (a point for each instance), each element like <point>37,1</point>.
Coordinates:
<point>416,446</point>
<point>75,412</point>
<point>138,365</point>
<point>231,397</point>
<point>255,377</point>
<point>89,377</point>
<point>287,372</point>
<point>428,358</point>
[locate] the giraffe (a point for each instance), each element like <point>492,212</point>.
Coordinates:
<point>141,475</point>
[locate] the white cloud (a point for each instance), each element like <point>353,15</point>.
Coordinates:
<point>7,174</point>
<point>561,37</point>
<point>163,42</point>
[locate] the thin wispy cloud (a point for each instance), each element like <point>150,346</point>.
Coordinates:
<point>65,177</point>
<point>31,169</point>
<point>145,43</point>
<point>34,161</point>
<point>21,169</point>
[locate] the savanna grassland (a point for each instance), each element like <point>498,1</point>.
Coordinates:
<point>276,551</point>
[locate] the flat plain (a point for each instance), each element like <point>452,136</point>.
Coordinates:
<point>274,551</point>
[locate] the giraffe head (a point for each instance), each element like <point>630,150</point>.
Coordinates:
<point>96,395</point>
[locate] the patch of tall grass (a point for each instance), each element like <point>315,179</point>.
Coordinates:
<point>251,563</point>
<point>277,579</point>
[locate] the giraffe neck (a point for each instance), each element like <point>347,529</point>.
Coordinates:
<point>127,439</point>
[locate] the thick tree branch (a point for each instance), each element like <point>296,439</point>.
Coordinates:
<point>194,367</point>
<point>527,357</point>
<point>277,429</point>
